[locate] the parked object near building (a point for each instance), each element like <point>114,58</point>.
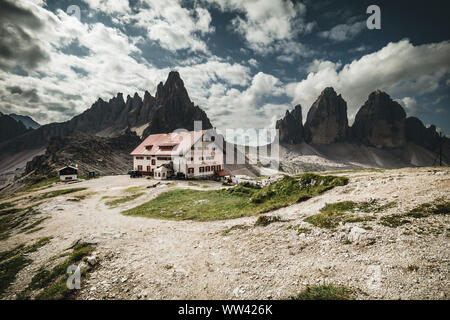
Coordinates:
<point>68,173</point>
<point>135,174</point>
<point>192,154</point>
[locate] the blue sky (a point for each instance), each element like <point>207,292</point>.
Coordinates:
<point>244,62</point>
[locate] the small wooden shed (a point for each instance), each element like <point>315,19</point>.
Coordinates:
<point>68,173</point>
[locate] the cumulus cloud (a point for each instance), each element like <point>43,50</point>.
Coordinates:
<point>412,107</point>
<point>343,32</point>
<point>173,26</point>
<point>109,6</point>
<point>263,23</point>
<point>19,47</point>
<point>401,69</point>
<point>233,108</point>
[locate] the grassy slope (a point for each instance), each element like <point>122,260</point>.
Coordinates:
<point>244,199</point>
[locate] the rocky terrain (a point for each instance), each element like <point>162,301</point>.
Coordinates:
<point>381,136</point>
<point>380,122</point>
<point>291,126</point>
<point>327,119</point>
<point>379,256</point>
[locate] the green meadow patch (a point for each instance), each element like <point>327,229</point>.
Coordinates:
<point>50,284</point>
<point>119,201</point>
<point>242,200</point>
<point>324,292</point>
<point>14,260</point>
<point>20,219</point>
<point>439,207</point>
<point>334,213</point>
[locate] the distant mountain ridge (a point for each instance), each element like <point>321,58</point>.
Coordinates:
<point>170,109</point>
<point>381,122</point>
<point>10,128</point>
<point>27,121</point>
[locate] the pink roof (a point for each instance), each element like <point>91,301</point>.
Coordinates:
<point>181,141</point>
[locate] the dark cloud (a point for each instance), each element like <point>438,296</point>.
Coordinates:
<point>30,95</point>
<point>11,12</point>
<point>17,46</point>
<point>15,89</point>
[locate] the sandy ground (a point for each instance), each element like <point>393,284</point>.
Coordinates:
<point>141,258</point>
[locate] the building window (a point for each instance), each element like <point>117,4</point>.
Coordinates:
<point>164,158</point>
<point>213,168</point>
<point>200,158</point>
<point>148,168</point>
<point>201,169</point>
<point>139,158</point>
<point>148,158</point>
<point>209,158</point>
<point>139,168</point>
<point>208,168</point>
<point>190,170</point>
<point>218,168</point>
<point>153,162</point>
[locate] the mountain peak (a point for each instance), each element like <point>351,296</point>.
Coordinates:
<point>380,121</point>
<point>172,88</point>
<point>329,91</point>
<point>327,119</point>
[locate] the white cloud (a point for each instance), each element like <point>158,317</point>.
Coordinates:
<point>413,108</point>
<point>343,32</point>
<point>232,108</point>
<point>109,6</point>
<point>174,27</point>
<point>401,69</point>
<point>266,22</point>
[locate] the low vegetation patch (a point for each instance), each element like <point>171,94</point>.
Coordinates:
<point>324,292</point>
<point>235,227</point>
<point>266,220</point>
<point>332,214</point>
<point>6,205</point>
<point>134,189</point>
<point>21,219</point>
<point>51,284</point>
<point>121,200</point>
<point>41,181</point>
<point>14,260</point>
<point>55,193</point>
<point>244,199</point>
<point>439,207</point>
<point>300,230</point>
